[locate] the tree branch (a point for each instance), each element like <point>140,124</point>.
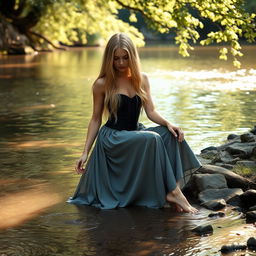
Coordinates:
<point>47,40</point>
<point>141,11</point>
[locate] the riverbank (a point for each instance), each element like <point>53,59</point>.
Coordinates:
<point>227,176</point>
<point>237,154</point>
<point>227,180</point>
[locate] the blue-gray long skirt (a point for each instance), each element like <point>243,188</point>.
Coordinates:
<point>133,168</point>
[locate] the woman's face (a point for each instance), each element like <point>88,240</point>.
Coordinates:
<point>121,60</point>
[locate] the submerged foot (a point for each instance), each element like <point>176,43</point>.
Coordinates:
<point>177,197</point>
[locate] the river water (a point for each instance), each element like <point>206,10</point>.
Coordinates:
<point>45,108</point>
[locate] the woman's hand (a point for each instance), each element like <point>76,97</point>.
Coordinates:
<point>79,164</point>
<point>176,131</point>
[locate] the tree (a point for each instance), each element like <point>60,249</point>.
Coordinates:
<point>50,22</point>
<point>229,15</point>
<point>46,23</point>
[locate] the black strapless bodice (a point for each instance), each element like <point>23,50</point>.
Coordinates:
<point>127,114</point>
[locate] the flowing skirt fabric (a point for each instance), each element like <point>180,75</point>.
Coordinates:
<point>133,168</point>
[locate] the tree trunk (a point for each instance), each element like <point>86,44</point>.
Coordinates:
<point>11,40</point>
<point>16,34</point>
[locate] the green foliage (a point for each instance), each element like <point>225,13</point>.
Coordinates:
<point>234,23</point>
<point>72,21</point>
<point>229,15</point>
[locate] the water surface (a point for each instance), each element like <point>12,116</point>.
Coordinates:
<point>45,108</point>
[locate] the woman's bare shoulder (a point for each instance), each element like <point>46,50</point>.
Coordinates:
<point>144,80</point>
<point>99,85</point>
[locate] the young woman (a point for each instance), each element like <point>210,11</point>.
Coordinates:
<point>130,164</point>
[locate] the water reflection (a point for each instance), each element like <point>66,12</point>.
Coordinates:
<point>126,232</point>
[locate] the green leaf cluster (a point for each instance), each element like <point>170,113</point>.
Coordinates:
<point>50,22</point>
<point>73,21</point>
<point>230,16</point>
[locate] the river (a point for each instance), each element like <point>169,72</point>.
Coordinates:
<point>45,108</point>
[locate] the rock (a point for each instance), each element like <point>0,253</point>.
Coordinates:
<point>235,201</point>
<point>246,163</point>
<point>253,131</point>
<point>224,146</point>
<point>224,193</point>
<point>227,166</point>
<point>217,215</point>
<point>252,208</point>
<point>232,136</point>
<point>215,205</point>
<point>248,198</point>
<point>203,230</point>
<point>211,148</point>
<point>232,248</point>
<point>189,189</point>
<point>253,153</point>
<point>247,137</point>
<point>209,154</point>
<point>225,157</point>
<point>242,150</point>
<point>208,181</point>
<point>20,49</point>
<point>203,160</point>
<point>251,217</point>
<point>251,243</point>
<point>233,180</point>
<point>237,209</point>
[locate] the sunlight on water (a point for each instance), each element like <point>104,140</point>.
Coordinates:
<point>207,108</point>
<point>210,245</point>
<point>30,108</point>
<point>39,144</point>
<point>208,79</point>
<point>18,207</point>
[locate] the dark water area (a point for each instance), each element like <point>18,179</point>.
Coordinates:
<point>45,108</point>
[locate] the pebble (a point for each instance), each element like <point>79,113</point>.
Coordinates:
<point>203,230</point>
<point>232,248</point>
<point>216,215</point>
<point>251,243</point>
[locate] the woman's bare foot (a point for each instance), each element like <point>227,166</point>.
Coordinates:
<point>178,208</point>
<point>177,197</point>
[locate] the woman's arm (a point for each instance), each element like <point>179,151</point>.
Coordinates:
<point>94,124</point>
<point>154,116</point>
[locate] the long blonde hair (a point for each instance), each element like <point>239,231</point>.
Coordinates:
<point>119,40</point>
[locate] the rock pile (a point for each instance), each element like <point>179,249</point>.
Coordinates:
<point>215,185</point>
<point>239,150</point>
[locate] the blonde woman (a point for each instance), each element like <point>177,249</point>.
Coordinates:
<point>130,164</point>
